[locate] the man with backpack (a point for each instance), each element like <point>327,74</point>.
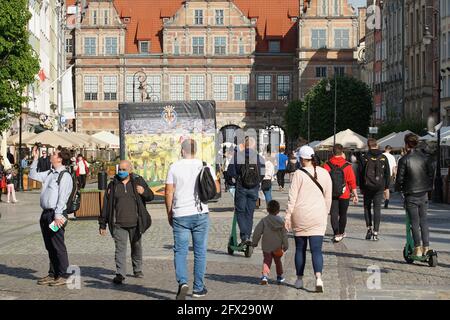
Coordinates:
<point>375,176</point>
<point>125,213</point>
<point>248,169</point>
<point>344,184</point>
<point>56,200</point>
<point>190,184</point>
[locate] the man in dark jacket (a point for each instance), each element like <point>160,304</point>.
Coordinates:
<point>125,212</point>
<point>44,163</point>
<point>415,179</point>
<point>375,177</point>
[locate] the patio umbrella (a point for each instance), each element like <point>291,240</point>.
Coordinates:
<point>14,139</point>
<point>49,138</point>
<point>348,139</point>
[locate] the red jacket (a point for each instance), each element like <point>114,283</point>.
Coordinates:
<point>349,175</point>
<point>77,173</point>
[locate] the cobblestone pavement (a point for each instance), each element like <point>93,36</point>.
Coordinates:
<point>23,259</point>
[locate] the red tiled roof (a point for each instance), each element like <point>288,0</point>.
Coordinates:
<point>274,20</point>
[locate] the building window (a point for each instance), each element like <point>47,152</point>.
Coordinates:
<point>94,17</point>
<point>341,38</point>
<point>106,17</point>
<point>219,17</point>
<point>197,87</point>
<point>339,71</point>
<point>177,87</point>
<point>274,46</point>
<point>220,44</point>
<point>129,89</point>
<point>283,87</point>
<point>144,46</point>
<point>318,38</point>
<point>69,45</point>
<point>241,47</point>
<point>220,88</point>
<point>321,72</point>
<point>336,7</point>
<point>198,45</point>
<point>90,45</point>
<point>176,47</point>
<point>110,46</point>
<point>90,88</point>
<point>110,87</point>
<point>240,87</point>
<point>154,87</point>
<point>324,7</point>
<point>264,87</point>
<point>198,20</point>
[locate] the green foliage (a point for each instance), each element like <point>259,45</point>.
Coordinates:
<point>18,61</point>
<point>415,125</point>
<point>354,108</point>
<point>294,119</point>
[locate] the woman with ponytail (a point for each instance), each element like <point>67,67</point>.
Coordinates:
<point>309,203</point>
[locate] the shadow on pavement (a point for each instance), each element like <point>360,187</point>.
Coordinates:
<point>218,209</point>
<point>226,278</point>
<point>22,273</point>
<point>104,281</point>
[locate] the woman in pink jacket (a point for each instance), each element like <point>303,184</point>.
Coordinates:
<point>307,212</point>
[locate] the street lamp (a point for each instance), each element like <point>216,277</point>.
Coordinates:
<point>142,78</point>
<point>328,89</point>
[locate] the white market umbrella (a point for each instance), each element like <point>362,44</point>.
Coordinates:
<point>396,141</point>
<point>348,138</point>
<point>107,137</point>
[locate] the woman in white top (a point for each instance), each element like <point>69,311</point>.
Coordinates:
<point>266,184</point>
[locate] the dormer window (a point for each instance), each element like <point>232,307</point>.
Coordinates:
<point>144,47</point>
<point>274,46</point>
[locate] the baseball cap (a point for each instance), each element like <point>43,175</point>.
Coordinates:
<point>306,152</point>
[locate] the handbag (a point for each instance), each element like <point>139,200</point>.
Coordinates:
<point>266,184</point>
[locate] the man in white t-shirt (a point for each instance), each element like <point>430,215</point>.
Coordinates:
<point>188,216</point>
<point>393,168</point>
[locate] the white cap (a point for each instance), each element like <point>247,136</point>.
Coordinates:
<point>306,152</point>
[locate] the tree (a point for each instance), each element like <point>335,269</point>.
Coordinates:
<point>18,62</point>
<point>417,126</point>
<point>294,119</point>
<point>354,108</point>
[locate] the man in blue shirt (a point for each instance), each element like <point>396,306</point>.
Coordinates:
<point>282,160</point>
<point>53,201</point>
<point>248,169</point>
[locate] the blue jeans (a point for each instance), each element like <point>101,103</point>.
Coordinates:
<point>245,204</point>
<point>315,243</point>
<point>183,227</point>
<point>268,195</point>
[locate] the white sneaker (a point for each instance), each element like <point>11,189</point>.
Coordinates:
<point>319,285</point>
<point>299,283</point>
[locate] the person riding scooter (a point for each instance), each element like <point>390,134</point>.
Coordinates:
<point>415,174</point>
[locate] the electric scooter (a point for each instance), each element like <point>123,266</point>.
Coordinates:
<point>233,242</point>
<point>429,257</point>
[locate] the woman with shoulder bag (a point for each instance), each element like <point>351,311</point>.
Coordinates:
<point>266,184</point>
<point>309,203</point>
<point>292,166</point>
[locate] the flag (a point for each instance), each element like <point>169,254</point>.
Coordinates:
<point>42,75</point>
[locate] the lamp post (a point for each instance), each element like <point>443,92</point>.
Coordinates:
<point>20,152</point>
<point>328,89</point>
<point>142,78</point>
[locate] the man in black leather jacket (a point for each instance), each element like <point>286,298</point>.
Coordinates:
<point>415,174</point>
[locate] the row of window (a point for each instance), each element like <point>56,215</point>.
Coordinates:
<point>319,38</point>
<point>199,17</point>
<point>323,7</point>
<point>197,84</point>
<point>97,20</point>
<point>322,72</point>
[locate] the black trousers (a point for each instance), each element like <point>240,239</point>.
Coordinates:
<point>416,208</point>
<point>375,198</point>
<point>338,212</point>
<point>280,177</point>
<point>82,181</point>
<point>54,243</point>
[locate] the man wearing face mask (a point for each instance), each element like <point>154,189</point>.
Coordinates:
<point>125,212</point>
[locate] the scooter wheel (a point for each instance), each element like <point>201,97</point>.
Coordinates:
<point>433,261</point>
<point>249,251</point>
<point>406,256</point>
<point>230,251</point>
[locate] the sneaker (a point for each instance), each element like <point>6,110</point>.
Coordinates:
<point>60,281</point>
<point>369,234</point>
<point>280,279</point>
<point>264,280</point>
<point>375,236</point>
<point>299,283</point>
<point>338,239</point>
<point>319,285</point>
<point>139,274</point>
<point>418,252</point>
<point>118,279</point>
<point>45,280</point>
<point>182,291</point>
<point>344,235</point>
<point>199,294</point>
<point>425,250</point>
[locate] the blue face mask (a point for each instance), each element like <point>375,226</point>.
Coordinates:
<point>122,175</point>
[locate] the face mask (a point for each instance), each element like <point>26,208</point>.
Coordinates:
<point>122,175</point>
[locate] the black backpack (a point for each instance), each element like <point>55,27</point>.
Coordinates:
<point>206,185</point>
<point>374,173</point>
<point>73,203</point>
<point>250,176</point>
<point>338,178</point>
